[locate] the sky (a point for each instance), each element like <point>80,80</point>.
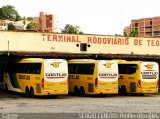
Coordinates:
<point>106,17</point>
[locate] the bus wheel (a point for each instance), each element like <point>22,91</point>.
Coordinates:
<point>32,92</point>
<point>123,90</point>
<point>6,87</point>
<point>82,91</point>
<point>27,92</point>
<point>75,90</point>
<point>141,94</point>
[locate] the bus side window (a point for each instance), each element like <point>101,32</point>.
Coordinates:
<point>86,69</point>
<point>127,68</point>
<point>70,69</point>
<point>132,69</point>
<point>91,69</point>
<point>36,68</point>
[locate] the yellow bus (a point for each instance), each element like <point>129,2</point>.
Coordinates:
<point>36,76</point>
<point>139,77</point>
<point>89,76</point>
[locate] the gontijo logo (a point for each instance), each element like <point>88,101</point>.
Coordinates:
<point>150,73</point>
<point>149,66</point>
<point>55,64</point>
<point>108,65</point>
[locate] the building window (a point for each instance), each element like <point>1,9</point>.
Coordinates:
<point>150,22</point>
<point>136,24</point>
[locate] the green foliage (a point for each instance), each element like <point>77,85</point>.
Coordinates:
<point>30,18</point>
<point>9,12</point>
<point>134,32</point>
<point>71,29</point>
<point>11,26</point>
<point>117,35</point>
<point>32,26</point>
<point>124,34</point>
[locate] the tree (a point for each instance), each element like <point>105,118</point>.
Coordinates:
<point>117,35</point>
<point>11,26</point>
<point>72,29</point>
<point>134,32</point>
<point>32,26</point>
<point>9,12</point>
<point>124,34</point>
<point>30,18</point>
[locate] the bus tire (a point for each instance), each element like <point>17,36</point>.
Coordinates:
<point>141,94</point>
<point>27,92</point>
<point>75,90</point>
<point>6,87</point>
<point>123,90</point>
<point>82,91</point>
<point>31,92</point>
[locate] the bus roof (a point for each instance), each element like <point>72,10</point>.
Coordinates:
<point>32,60</point>
<point>29,60</point>
<point>81,60</point>
<point>85,60</point>
<point>130,62</point>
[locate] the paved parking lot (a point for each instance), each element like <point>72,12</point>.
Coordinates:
<point>15,103</point>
